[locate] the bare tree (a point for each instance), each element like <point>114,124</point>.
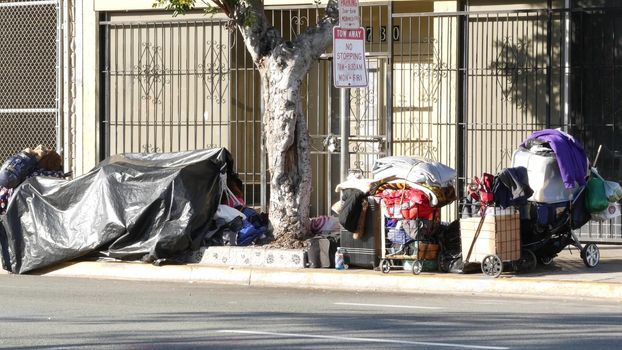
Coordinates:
<point>282,67</point>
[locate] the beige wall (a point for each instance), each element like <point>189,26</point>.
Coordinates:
<point>86,129</point>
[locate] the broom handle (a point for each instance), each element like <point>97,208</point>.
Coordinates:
<point>597,155</point>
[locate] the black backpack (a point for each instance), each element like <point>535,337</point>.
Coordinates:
<point>351,209</point>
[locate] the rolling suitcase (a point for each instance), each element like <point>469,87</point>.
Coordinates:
<point>365,251</point>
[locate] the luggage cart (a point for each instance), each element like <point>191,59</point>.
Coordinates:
<point>493,240</point>
<point>423,251</point>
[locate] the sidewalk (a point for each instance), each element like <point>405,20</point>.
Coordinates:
<point>567,277</point>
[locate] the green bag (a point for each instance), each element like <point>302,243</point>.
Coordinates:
<point>595,196</point>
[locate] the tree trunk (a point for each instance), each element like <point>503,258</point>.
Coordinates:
<point>288,149</point>
<point>282,66</point>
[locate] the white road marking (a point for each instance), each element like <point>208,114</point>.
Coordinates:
<point>369,340</point>
<point>393,306</point>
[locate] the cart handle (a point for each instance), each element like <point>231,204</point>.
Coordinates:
<point>479,229</point>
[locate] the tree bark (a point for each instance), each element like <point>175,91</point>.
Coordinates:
<point>282,67</point>
<point>289,163</point>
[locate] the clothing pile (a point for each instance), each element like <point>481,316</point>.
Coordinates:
<point>412,199</point>
<point>410,190</point>
<point>433,181</point>
<point>28,163</point>
<point>235,223</point>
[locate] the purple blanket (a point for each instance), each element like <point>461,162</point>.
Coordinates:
<point>571,157</point>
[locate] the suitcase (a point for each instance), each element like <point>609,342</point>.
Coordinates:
<point>365,251</point>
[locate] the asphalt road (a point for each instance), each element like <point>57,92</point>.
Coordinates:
<point>64,313</point>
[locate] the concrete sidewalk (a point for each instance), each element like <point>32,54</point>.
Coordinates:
<point>567,277</point>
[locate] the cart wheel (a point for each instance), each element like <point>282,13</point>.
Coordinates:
<point>492,266</point>
<point>417,267</point>
<point>590,255</point>
<point>385,266</point>
<point>545,260</point>
<point>443,263</point>
<point>528,261</point>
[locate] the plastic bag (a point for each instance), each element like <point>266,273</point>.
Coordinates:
<point>612,211</point>
<point>481,189</point>
<point>227,213</point>
<point>613,191</point>
<point>595,197</point>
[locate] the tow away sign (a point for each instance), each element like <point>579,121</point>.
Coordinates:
<point>349,69</point>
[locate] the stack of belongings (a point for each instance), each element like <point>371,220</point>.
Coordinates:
<point>359,215</point>
<point>417,189</point>
<point>353,205</point>
<point>235,223</point>
<point>490,222</point>
<point>557,170</point>
<point>28,163</point>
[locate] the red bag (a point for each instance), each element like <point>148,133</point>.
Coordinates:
<point>407,204</point>
<point>481,190</point>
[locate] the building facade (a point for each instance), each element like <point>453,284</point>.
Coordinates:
<point>460,82</point>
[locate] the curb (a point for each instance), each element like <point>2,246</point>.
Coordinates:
<point>350,280</point>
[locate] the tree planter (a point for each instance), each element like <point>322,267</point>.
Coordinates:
<point>253,257</point>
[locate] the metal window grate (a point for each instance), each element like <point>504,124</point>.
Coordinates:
<point>29,72</point>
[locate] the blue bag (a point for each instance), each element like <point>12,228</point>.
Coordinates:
<point>16,169</point>
<point>252,228</point>
<point>249,233</point>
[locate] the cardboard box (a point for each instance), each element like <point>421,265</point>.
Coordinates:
<point>499,235</point>
<point>427,251</point>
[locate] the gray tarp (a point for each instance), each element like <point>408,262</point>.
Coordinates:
<point>132,206</point>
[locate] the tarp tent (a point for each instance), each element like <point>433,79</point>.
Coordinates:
<point>133,206</point>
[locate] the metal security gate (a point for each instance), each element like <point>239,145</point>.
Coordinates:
<point>463,88</point>
<point>174,84</point>
<point>597,100</point>
<point>30,75</point>
<point>185,83</point>
<point>526,70</point>
<point>425,87</point>
<point>470,86</point>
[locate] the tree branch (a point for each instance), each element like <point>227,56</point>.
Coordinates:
<point>314,40</point>
<point>260,38</point>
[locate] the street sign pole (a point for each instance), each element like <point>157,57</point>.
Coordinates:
<point>344,159</point>
<point>349,69</point>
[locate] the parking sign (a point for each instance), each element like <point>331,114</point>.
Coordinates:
<point>349,14</point>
